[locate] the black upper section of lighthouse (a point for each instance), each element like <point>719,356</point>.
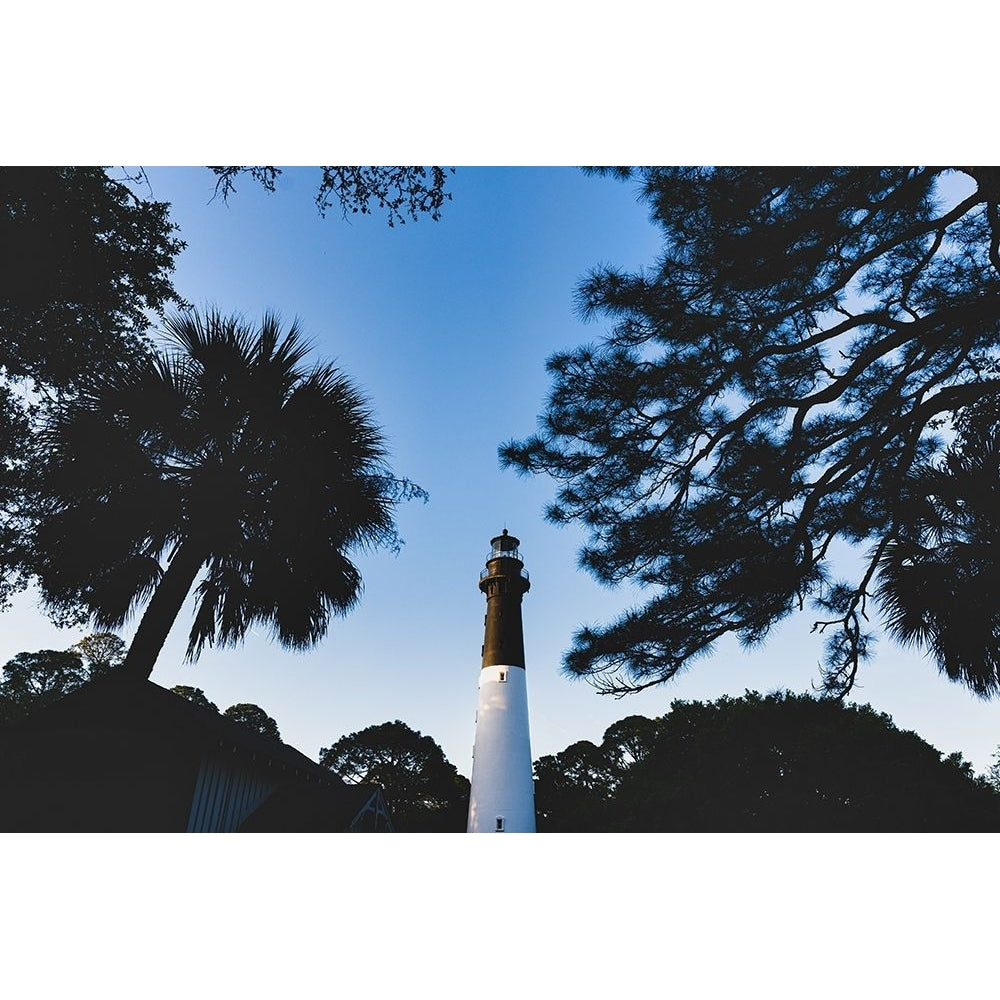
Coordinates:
<point>504,582</point>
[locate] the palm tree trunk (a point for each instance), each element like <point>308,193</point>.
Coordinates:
<point>161,612</point>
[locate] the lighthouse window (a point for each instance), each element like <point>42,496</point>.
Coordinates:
<point>503,676</point>
<point>499,824</point>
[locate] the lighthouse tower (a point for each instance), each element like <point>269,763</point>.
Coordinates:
<point>503,795</point>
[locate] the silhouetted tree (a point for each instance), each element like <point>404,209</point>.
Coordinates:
<point>102,652</point>
<point>400,192</point>
<point>85,268</point>
<point>764,391</point>
<point>194,695</point>
<point>225,454</point>
<point>629,740</point>
<point>33,680</point>
<point>937,577</point>
<point>992,776</point>
<point>87,265</point>
<point>780,762</point>
<point>246,714</point>
<point>255,718</point>
<point>574,789</point>
<point>424,791</point>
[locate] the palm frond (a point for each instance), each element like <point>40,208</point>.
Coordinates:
<point>938,581</point>
<point>225,442</point>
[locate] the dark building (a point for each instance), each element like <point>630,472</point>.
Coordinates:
<point>129,756</point>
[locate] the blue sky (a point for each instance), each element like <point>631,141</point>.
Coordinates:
<point>446,327</point>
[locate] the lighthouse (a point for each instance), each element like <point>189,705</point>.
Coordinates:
<point>503,795</point>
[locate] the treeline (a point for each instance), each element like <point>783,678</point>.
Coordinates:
<point>780,762</point>
<point>424,791</point>
<point>776,763</point>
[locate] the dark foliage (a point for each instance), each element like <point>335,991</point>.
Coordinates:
<point>764,391</point>
<point>938,576</point>
<point>780,763</point>
<point>227,454</point>
<point>85,266</point>
<point>575,789</point>
<point>194,695</point>
<point>84,263</point>
<point>101,652</point>
<point>425,793</point>
<point>400,192</point>
<point>255,718</point>
<point>245,713</point>
<point>33,680</point>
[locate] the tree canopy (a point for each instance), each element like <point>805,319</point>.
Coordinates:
<point>401,192</point>
<point>102,652</point>
<point>33,680</point>
<point>226,453</point>
<point>774,763</point>
<point>807,339</point>
<point>937,577</point>
<point>194,695</point>
<point>245,713</point>
<point>425,793</point>
<point>255,718</point>
<point>86,271</point>
<point>85,268</point>
<point>574,789</point>
<point>87,265</point>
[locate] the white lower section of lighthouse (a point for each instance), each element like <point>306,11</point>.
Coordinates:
<point>503,794</point>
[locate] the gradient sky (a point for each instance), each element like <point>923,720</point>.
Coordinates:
<point>446,327</point>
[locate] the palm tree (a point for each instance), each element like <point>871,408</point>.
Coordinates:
<point>223,456</point>
<point>939,578</point>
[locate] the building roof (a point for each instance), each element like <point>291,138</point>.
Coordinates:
<point>121,754</point>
